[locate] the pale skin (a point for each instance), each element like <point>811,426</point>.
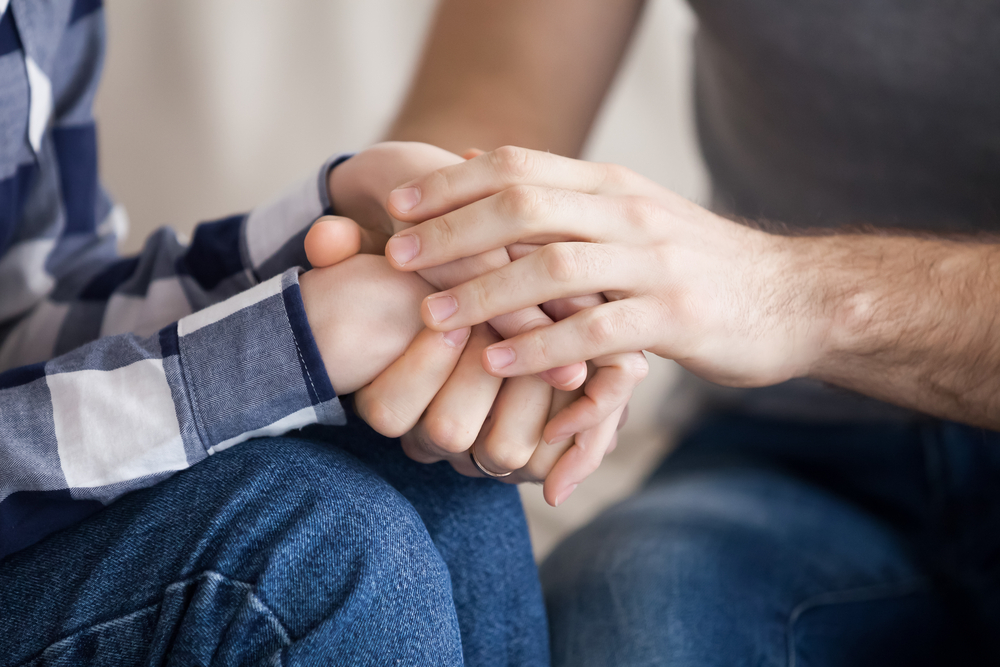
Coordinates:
<point>472,90</point>
<point>907,320</point>
<point>884,315</point>
<point>442,405</point>
<point>362,298</point>
<point>442,421</point>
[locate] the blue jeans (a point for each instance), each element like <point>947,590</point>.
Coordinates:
<point>320,549</point>
<point>774,543</point>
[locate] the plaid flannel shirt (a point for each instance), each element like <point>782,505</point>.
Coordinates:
<point>120,372</point>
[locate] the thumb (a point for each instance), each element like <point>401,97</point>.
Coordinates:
<point>332,239</point>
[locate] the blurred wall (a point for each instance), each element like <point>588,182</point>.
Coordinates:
<point>210,106</point>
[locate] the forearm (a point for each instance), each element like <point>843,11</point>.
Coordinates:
<point>907,320</point>
<point>910,321</point>
<point>517,72</point>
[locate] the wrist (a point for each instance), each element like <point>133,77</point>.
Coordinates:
<point>841,278</point>
<point>813,301</point>
<point>345,371</point>
<point>362,314</point>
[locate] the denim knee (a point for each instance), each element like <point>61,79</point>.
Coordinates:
<point>709,569</point>
<point>287,541</point>
<point>324,533</point>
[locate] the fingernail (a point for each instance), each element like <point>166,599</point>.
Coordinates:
<point>403,248</point>
<point>565,376</point>
<point>499,357</point>
<point>404,199</point>
<point>442,307</point>
<point>456,337</point>
<point>565,494</point>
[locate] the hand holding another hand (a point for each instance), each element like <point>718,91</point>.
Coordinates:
<point>363,299</point>
<point>724,300</point>
<point>440,406</point>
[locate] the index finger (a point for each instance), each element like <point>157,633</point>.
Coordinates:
<point>458,185</point>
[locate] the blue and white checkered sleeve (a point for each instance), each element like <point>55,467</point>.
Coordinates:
<point>125,412</point>
<point>100,294</point>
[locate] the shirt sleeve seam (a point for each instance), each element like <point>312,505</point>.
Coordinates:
<point>191,391</point>
<point>298,351</point>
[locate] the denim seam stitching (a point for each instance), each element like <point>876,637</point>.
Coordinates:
<point>255,600</point>
<point>863,594</point>
<point>73,634</point>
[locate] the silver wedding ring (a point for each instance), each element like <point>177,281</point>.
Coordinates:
<point>482,469</point>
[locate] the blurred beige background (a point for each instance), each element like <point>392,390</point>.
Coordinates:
<point>211,106</point>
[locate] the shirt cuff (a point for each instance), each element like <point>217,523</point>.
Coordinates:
<point>272,236</point>
<point>249,367</point>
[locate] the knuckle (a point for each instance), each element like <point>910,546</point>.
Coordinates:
<point>384,418</point>
<point>436,184</point>
<point>601,328</point>
<point>514,163</point>
<point>416,449</point>
<point>645,212</point>
<point>607,401</point>
<point>520,321</point>
<point>561,262</point>
<point>448,434</point>
<point>475,296</point>
<point>615,174</point>
<point>529,321</point>
<point>685,314</point>
<point>524,204</point>
<point>636,366</point>
<point>510,457</point>
<point>446,230</point>
<point>685,307</point>
<point>665,256</point>
<point>539,347</point>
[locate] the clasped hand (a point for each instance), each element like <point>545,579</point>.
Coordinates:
<point>731,303</point>
<point>437,396</point>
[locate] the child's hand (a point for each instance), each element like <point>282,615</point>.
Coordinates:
<point>440,410</point>
<point>360,186</point>
<point>365,314</point>
<point>359,189</point>
<point>441,414</point>
<point>442,405</point>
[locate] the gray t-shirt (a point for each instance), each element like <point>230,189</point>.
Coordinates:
<point>843,112</point>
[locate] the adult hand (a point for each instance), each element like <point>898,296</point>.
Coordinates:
<point>441,405</point>
<point>439,409</point>
<point>682,282</point>
<point>359,188</point>
<point>599,410</point>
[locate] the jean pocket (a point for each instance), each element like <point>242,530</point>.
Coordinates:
<point>209,619</point>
